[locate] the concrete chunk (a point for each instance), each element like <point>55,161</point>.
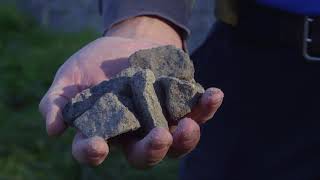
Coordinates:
<point>158,86</point>
<point>85,100</point>
<point>146,100</point>
<point>107,118</point>
<point>181,96</point>
<point>129,72</point>
<point>164,61</point>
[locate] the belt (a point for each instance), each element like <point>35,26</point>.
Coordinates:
<point>272,27</point>
<point>311,47</point>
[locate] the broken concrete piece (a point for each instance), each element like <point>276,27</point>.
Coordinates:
<point>146,100</point>
<point>164,61</point>
<point>85,100</point>
<point>158,84</point>
<point>181,96</point>
<point>129,72</point>
<point>73,110</point>
<point>107,118</point>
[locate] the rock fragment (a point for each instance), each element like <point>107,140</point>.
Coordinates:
<point>129,72</point>
<point>146,100</point>
<point>180,95</point>
<point>80,103</point>
<point>159,85</point>
<point>164,61</point>
<point>107,118</point>
<point>85,100</point>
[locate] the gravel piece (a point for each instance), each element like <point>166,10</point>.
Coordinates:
<point>146,101</point>
<point>181,96</point>
<point>107,118</point>
<point>164,61</point>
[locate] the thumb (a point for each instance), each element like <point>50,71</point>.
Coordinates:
<point>51,105</point>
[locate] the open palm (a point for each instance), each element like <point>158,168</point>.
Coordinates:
<point>99,61</point>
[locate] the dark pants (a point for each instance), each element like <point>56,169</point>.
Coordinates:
<point>269,124</point>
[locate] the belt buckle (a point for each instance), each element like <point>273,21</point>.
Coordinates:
<point>307,40</point>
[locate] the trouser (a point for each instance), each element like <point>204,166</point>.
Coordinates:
<point>268,126</point>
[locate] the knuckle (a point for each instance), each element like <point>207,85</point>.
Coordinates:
<point>87,155</point>
<point>160,139</point>
<point>158,144</point>
<point>95,149</point>
<point>154,157</point>
<point>188,141</point>
<point>212,103</point>
<point>214,100</point>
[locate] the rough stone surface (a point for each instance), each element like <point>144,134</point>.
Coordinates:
<point>164,61</point>
<point>85,100</point>
<point>129,72</point>
<point>180,95</point>
<point>107,118</point>
<point>158,86</point>
<point>146,99</point>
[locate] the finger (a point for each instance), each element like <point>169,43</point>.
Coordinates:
<point>185,138</point>
<point>50,110</point>
<point>150,150</point>
<point>90,151</point>
<point>60,92</point>
<point>209,103</point>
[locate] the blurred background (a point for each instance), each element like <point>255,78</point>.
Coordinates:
<point>36,36</point>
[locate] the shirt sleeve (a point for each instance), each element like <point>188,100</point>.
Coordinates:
<point>175,11</point>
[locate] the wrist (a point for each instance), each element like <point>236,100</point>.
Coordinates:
<point>149,28</point>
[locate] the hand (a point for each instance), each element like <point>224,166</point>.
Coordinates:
<point>99,61</point>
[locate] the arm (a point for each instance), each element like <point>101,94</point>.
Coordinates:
<point>177,12</point>
<point>105,57</point>
<point>149,28</point>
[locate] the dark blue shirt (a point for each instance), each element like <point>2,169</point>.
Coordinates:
<point>268,127</point>
<point>306,7</point>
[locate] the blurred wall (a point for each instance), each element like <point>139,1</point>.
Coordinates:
<point>76,15</point>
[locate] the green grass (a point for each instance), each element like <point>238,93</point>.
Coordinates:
<point>29,58</point>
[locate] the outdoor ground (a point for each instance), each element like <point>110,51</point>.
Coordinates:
<point>29,58</point>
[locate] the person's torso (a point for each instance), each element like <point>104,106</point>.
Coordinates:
<point>268,125</point>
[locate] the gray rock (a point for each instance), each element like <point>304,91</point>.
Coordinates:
<point>85,100</point>
<point>181,96</point>
<point>146,100</point>
<point>164,61</point>
<point>79,104</point>
<point>107,118</point>
<point>129,72</point>
<point>158,84</point>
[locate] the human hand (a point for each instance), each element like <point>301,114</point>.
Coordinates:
<point>99,61</point>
